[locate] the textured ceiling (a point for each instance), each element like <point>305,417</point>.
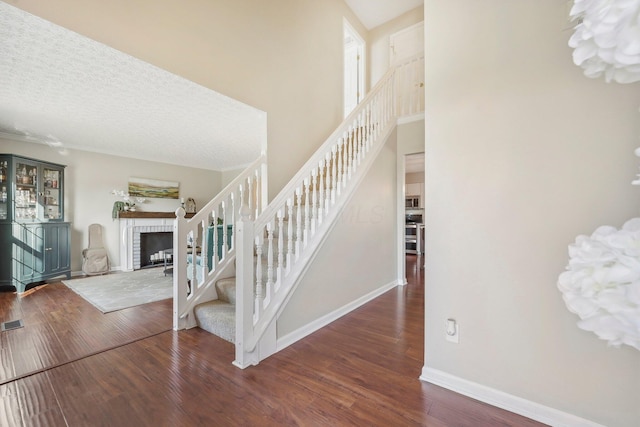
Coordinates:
<point>376,12</point>
<point>63,89</point>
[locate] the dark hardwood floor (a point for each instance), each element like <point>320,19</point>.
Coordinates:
<point>92,369</point>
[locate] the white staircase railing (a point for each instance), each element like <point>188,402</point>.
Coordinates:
<point>204,247</point>
<point>275,249</point>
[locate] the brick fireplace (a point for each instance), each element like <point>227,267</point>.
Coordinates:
<point>132,225</point>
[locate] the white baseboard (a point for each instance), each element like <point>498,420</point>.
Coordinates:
<point>323,321</point>
<point>500,399</point>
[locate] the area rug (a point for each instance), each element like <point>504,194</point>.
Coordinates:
<point>113,292</point>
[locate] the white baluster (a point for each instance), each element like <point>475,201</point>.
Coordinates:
<point>340,181</point>
<point>298,222</point>
<point>354,148</point>
<point>215,259</point>
<point>223,249</point>
<point>368,127</point>
<point>259,291</point>
<point>269,287</point>
<point>204,264</point>
<point>334,173</point>
<point>250,198</point>
<point>345,159</point>
<point>280,249</point>
<point>307,214</point>
<point>289,234</point>
<point>327,179</point>
<point>321,195</point>
<point>314,200</point>
<point>360,138</point>
<point>349,154</point>
<point>233,218</point>
<point>256,203</point>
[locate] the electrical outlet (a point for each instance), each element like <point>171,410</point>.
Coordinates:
<point>452,331</point>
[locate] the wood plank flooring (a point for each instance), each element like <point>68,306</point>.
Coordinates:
<point>362,370</point>
<point>60,326</point>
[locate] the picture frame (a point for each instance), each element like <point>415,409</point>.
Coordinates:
<point>153,188</point>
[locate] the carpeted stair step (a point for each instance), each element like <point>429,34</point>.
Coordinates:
<point>219,316</point>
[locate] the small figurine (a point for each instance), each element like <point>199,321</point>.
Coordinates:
<point>190,206</point>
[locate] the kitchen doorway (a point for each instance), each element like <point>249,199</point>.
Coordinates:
<point>414,212</point>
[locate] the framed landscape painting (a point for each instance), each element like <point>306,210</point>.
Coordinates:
<point>153,188</point>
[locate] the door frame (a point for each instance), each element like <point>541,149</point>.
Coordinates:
<point>350,35</point>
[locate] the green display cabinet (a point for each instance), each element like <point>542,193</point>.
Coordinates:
<point>34,239</point>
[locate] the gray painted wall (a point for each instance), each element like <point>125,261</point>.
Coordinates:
<point>523,153</point>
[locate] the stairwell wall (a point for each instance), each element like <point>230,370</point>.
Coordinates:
<point>359,255</point>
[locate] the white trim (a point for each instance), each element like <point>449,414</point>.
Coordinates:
<point>323,321</point>
<point>401,245</point>
<point>408,119</point>
<point>362,72</point>
<point>500,399</point>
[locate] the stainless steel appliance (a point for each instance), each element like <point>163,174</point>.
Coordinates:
<point>414,233</point>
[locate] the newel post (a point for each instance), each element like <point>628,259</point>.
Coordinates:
<point>244,235</point>
<point>180,286</point>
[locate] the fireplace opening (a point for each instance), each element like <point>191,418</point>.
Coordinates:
<point>152,247</point>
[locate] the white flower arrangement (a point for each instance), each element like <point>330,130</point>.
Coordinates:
<point>607,39</point>
<point>602,283</point>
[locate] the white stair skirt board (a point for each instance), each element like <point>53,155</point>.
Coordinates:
<point>323,321</point>
<point>408,119</point>
<point>500,399</point>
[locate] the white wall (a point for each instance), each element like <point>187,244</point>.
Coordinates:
<point>378,46</point>
<point>90,178</point>
<point>410,139</point>
<point>281,56</point>
<point>358,256</point>
<point>523,153</point>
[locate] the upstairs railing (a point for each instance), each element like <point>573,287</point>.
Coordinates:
<point>204,247</point>
<point>276,248</point>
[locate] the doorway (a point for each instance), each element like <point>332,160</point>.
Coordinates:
<point>354,68</point>
<point>411,213</point>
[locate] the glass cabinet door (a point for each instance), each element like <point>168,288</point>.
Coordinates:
<point>51,193</point>
<point>26,180</point>
<point>4,189</point>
